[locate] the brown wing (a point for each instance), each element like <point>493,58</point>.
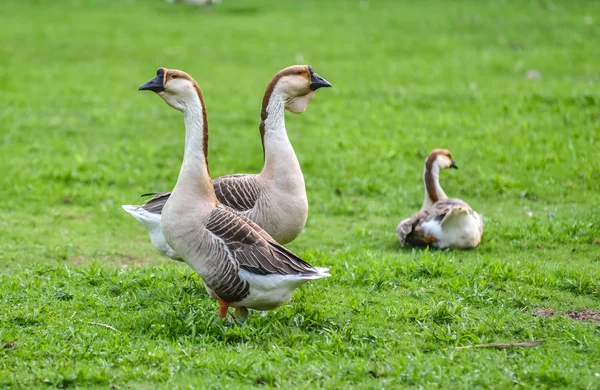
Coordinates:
<point>155,204</point>
<point>410,231</point>
<point>239,192</point>
<point>241,244</point>
<point>405,228</point>
<point>252,248</point>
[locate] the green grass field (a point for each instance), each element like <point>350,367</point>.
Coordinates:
<point>78,140</point>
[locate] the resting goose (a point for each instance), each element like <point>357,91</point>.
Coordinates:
<point>442,222</point>
<point>241,265</point>
<point>275,198</point>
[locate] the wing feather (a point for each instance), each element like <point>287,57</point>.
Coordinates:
<point>155,204</point>
<point>240,192</point>
<point>252,248</point>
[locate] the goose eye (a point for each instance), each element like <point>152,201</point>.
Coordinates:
<point>299,72</point>
<point>173,76</point>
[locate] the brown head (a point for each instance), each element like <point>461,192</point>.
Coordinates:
<point>297,85</point>
<point>179,90</point>
<point>175,87</point>
<point>442,157</point>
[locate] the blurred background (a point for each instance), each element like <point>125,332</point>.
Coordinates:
<point>510,87</point>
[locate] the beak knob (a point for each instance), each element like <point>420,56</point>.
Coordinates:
<point>156,84</point>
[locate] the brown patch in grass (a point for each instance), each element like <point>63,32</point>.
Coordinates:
<point>544,313</point>
<point>583,315</point>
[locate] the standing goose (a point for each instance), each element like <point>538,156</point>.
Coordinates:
<point>442,222</point>
<point>240,264</point>
<point>275,198</point>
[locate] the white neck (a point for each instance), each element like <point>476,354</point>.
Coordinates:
<point>433,189</point>
<point>193,175</point>
<point>281,162</point>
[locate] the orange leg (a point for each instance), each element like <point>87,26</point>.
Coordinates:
<point>223,306</point>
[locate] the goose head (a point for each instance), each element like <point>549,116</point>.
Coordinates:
<point>176,87</point>
<point>296,85</point>
<point>442,158</point>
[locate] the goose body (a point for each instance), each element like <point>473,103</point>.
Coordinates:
<point>275,198</point>
<point>238,261</point>
<point>241,265</point>
<point>442,222</point>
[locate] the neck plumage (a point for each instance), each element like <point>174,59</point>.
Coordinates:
<point>194,177</point>
<point>433,190</point>
<point>280,158</point>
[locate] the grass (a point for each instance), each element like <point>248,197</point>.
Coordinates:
<point>77,140</point>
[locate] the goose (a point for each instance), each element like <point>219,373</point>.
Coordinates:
<point>275,198</point>
<point>442,222</point>
<point>241,265</point>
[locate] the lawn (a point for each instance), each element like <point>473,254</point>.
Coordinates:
<point>510,87</point>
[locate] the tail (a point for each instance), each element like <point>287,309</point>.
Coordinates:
<point>321,273</point>
<point>142,215</point>
<point>151,222</point>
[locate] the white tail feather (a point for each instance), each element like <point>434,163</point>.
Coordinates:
<point>146,218</point>
<point>320,275</point>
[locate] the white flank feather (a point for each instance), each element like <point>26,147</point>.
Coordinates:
<point>152,223</point>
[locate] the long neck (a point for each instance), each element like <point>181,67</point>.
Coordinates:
<point>433,190</point>
<point>280,159</point>
<point>194,177</point>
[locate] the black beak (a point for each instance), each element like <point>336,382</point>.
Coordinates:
<point>317,81</point>
<point>156,84</point>
<point>453,165</point>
